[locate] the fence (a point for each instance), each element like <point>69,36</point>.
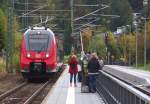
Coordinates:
<point>115,91</point>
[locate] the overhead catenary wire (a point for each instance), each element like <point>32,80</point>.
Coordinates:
<point>33,11</point>
<point>91,13</point>
<point>87,24</point>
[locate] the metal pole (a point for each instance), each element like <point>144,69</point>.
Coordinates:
<point>108,57</point>
<point>72,27</point>
<point>136,45</point>
<point>129,57</point>
<point>27,13</point>
<point>129,49</point>
<point>124,41</point>
<point>81,41</point>
<point>71,4</point>
<point>145,43</point>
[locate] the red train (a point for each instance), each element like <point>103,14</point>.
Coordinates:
<point>38,53</point>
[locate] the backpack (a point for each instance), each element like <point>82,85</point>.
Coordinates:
<point>73,65</point>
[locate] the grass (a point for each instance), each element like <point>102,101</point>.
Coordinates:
<point>147,68</point>
<point>141,67</point>
<point>16,65</point>
<point>2,65</point>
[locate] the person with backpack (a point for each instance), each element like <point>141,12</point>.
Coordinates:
<point>73,69</point>
<point>93,67</point>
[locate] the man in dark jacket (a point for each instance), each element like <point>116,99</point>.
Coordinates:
<point>93,67</point>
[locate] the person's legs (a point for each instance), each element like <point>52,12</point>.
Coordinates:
<point>71,76</point>
<point>92,83</point>
<point>75,79</point>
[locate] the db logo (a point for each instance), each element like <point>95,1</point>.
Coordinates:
<point>38,56</point>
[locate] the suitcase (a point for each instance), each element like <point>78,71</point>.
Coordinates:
<point>85,89</point>
<point>79,76</point>
<point>85,85</point>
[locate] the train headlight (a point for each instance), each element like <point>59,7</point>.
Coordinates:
<point>47,55</point>
<point>28,55</point>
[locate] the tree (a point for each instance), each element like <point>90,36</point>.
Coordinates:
<point>112,45</point>
<point>148,40</point>
<point>86,36</point>
<point>123,9</point>
<point>3,26</point>
<point>136,5</point>
<point>97,44</point>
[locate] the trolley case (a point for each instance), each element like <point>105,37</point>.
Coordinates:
<point>80,76</point>
<point>85,84</point>
<point>85,78</point>
<point>85,89</point>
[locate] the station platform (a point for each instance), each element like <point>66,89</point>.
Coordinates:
<point>62,93</point>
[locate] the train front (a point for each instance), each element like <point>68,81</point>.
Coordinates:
<point>38,53</point>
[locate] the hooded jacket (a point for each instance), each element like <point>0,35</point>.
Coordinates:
<point>73,66</point>
<point>93,66</point>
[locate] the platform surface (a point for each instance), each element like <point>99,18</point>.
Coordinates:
<point>62,93</point>
<point>133,71</point>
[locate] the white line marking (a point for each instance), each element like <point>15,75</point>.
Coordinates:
<point>147,80</point>
<point>71,96</point>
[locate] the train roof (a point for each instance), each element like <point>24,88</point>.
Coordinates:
<point>43,30</point>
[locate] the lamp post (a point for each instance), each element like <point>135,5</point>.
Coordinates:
<point>129,26</point>
<point>122,30</point>
<point>124,40</point>
<point>81,42</point>
<point>145,42</point>
<point>135,23</point>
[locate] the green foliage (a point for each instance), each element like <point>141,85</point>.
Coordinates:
<point>16,56</point>
<point>97,44</point>
<point>148,40</point>
<point>3,25</point>
<point>123,9</point>
<point>112,45</point>
<point>2,65</point>
<point>137,5</point>
<point>86,38</point>
<point>66,58</point>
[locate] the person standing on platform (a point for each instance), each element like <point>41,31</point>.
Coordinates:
<point>93,67</point>
<point>88,55</point>
<point>101,62</point>
<point>73,69</point>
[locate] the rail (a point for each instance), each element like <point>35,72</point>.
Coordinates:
<point>28,101</point>
<point>115,91</point>
<point>2,96</point>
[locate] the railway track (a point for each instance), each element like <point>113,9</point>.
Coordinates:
<point>28,93</point>
<point>23,94</point>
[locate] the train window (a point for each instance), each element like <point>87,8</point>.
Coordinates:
<point>38,42</point>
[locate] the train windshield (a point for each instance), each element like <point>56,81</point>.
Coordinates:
<point>38,42</point>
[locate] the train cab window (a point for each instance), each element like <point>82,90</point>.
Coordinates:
<point>38,42</point>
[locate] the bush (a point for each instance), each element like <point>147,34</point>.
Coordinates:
<point>3,25</point>
<point>66,58</point>
<point>16,62</point>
